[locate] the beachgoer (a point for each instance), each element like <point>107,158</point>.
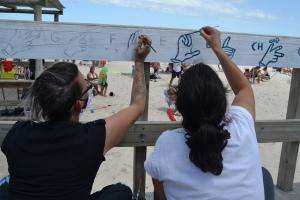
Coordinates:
<point>265,74</point>
<point>176,72</point>
<point>156,66</point>
<point>7,65</point>
<point>169,67</point>
<point>132,70</point>
<point>59,158</point>
<point>93,78</point>
<point>287,71</point>
<point>184,67</point>
<point>256,75</point>
<point>215,154</point>
<point>103,79</point>
<point>247,74</point>
<point>32,69</point>
<point>170,96</point>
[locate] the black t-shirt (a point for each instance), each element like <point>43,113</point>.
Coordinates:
<point>53,160</point>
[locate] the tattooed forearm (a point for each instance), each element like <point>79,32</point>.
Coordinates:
<point>139,85</point>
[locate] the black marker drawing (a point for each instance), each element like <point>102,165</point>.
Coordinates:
<point>257,46</point>
<point>185,49</point>
<point>299,51</point>
<point>56,37</point>
<point>21,41</point>
<point>272,54</point>
<point>230,51</point>
<point>77,44</point>
<point>132,41</point>
<point>131,44</point>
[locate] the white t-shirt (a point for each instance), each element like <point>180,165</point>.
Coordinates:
<point>177,67</point>
<point>241,177</point>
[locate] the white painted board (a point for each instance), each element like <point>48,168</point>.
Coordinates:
<point>47,40</point>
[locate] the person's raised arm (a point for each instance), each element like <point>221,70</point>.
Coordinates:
<point>241,87</point>
<point>118,124</point>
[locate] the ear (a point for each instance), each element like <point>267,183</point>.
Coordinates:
<point>77,106</point>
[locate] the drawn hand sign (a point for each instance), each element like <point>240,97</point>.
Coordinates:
<point>228,50</point>
<point>272,54</point>
<point>77,44</point>
<point>132,44</point>
<point>20,41</point>
<point>185,49</point>
<point>133,39</point>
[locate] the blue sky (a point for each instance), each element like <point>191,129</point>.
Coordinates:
<point>275,17</point>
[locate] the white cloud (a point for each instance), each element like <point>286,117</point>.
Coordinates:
<point>259,14</point>
<point>191,7</point>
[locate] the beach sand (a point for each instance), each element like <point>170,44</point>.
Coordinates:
<point>271,103</point>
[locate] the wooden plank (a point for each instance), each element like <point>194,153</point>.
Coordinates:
<point>15,83</point>
<point>13,118</point>
<point>146,133</point>
<point>140,152</point>
<point>29,11</point>
<point>48,40</point>
<point>10,102</point>
<point>38,17</point>
<point>289,151</point>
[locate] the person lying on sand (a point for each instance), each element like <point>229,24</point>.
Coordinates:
<point>215,154</point>
<point>59,158</point>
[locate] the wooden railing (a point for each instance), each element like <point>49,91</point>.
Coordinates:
<point>144,134</point>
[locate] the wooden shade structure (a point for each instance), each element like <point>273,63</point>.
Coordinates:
<point>54,7</point>
<point>13,4</point>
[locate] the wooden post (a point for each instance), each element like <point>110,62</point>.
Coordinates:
<point>56,17</point>
<point>289,151</point>
<point>38,17</point>
<point>139,174</point>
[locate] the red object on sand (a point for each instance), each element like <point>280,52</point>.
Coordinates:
<point>171,114</point>
<point>7,65</point>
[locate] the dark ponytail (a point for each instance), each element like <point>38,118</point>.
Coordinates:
<point>201,99</point>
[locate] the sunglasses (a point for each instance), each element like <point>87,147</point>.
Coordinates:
<point>81,98</point>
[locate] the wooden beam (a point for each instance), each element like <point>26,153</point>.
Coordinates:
<point>140,152</point>
<point>38,13</point>
<point>6,103</point>
<point>48,40</point>
<point>289,151</point>
<point>38,63</point>
<point>11,7</point>
<point>29,11</point>
<point>145,133</point>
<point>15,83</point>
